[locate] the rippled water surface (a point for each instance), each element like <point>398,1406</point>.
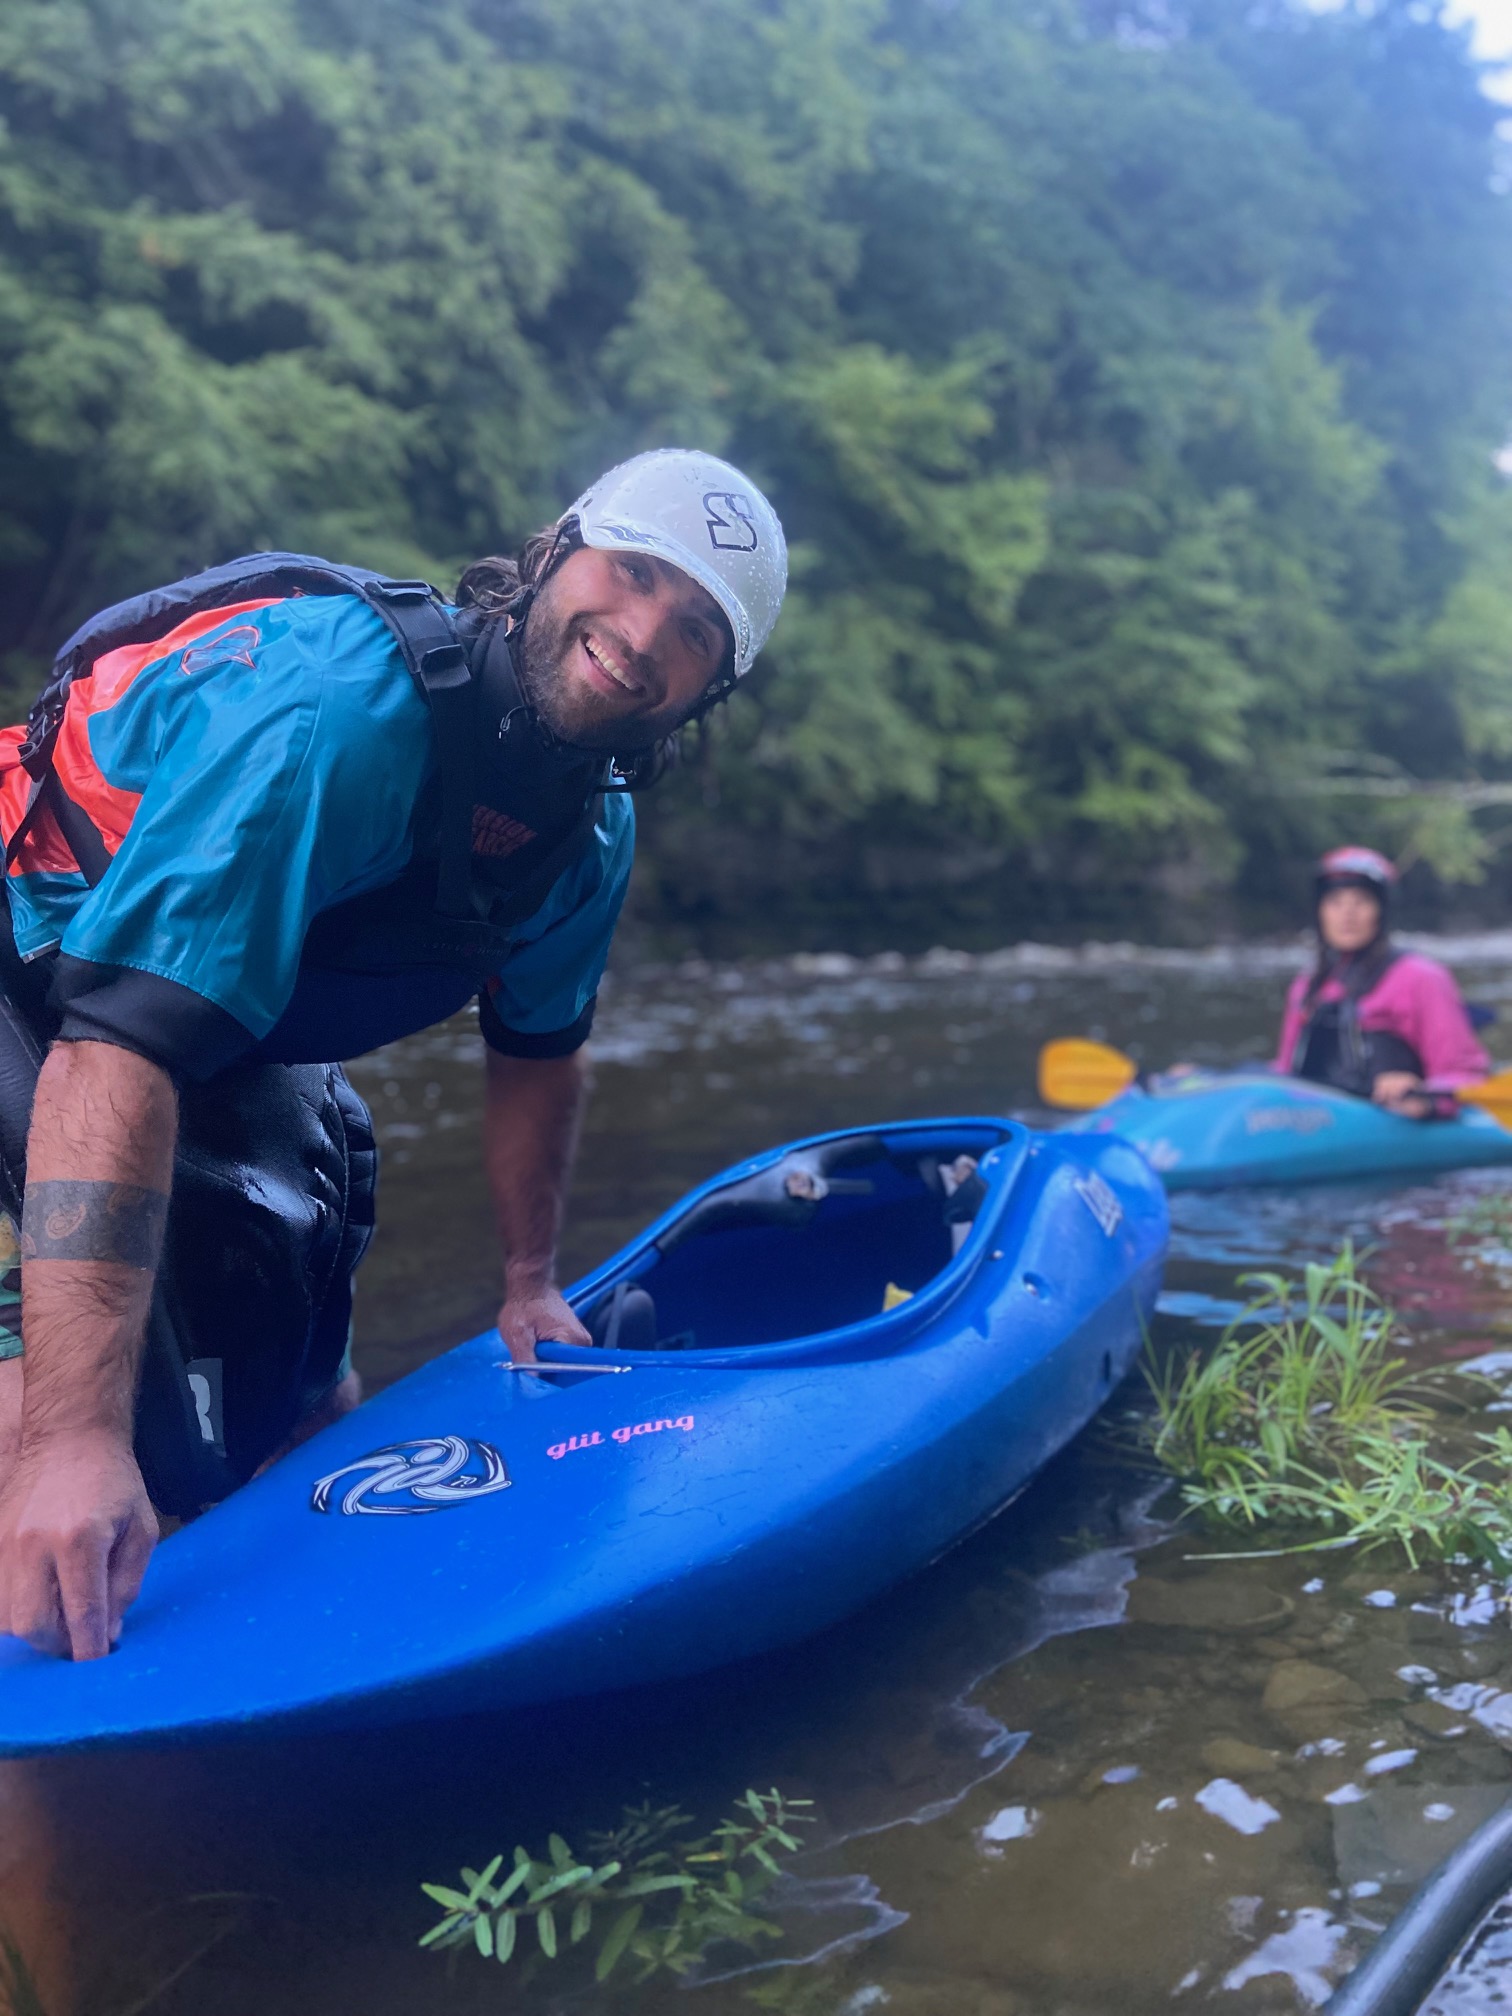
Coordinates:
<point>1071,1769</point>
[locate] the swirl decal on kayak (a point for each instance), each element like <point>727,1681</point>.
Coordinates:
<point>411,1477</point>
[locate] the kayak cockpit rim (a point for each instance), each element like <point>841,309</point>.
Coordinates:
<point>999,1148</point>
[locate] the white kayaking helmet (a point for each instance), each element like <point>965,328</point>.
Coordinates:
<point>702,515</point>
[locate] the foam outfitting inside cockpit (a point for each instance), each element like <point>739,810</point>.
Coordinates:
<point>766,1259</point>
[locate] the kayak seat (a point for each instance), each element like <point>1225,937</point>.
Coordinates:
<point>625,1320</point>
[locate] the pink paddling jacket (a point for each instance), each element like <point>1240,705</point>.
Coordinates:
<point>1415,999</point>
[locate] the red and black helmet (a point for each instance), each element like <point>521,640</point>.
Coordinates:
<point>1341,866</point>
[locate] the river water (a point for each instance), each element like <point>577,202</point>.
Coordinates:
<point>1071,1770</point>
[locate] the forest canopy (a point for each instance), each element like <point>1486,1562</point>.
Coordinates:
<point>1130,378</point>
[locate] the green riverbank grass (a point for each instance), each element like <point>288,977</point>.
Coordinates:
<point>1306,1422</point>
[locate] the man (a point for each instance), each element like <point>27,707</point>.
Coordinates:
<point>255,826</point>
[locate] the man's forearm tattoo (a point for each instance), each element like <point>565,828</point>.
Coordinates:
<point>93,1221</point>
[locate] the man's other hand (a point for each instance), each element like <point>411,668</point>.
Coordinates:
<point>76,1533</point>
<point>538,1316</point>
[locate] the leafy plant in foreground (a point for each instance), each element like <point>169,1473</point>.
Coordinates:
<point>658,1898</point>
<point>1304,1417</point>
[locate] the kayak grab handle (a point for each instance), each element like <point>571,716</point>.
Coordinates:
<point>545,1365</point>
<point>788,1193</point>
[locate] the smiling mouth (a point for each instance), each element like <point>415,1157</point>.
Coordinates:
<point>612,672</point>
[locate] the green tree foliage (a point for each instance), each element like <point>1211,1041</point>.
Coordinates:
<point>1128,375</point>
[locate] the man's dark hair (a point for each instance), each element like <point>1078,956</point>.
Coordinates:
<point>498,585</point>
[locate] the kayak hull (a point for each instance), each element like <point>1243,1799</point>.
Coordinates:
<point>602,1530</point>
<point>1205,1131</point>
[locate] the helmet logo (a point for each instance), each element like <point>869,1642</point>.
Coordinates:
<point>732,529</point>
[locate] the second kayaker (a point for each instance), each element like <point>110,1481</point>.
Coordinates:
<point>1369,1018</point>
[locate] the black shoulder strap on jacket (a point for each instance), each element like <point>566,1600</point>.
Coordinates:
<point>438,664</point>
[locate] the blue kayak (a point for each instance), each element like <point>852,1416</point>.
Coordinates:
<point>766,1448</point>
<point>1209,1131</point>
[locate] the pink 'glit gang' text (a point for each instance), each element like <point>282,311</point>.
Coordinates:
<point>595,1439</point>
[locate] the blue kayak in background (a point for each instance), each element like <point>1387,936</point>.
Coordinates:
<point>1208,1131</point>
<point>819,1371</point>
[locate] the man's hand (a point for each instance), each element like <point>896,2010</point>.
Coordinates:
<point>538,1316</point>
<point>1402,1092</point>
<point>76,1527</point>
<point>76,1534</point>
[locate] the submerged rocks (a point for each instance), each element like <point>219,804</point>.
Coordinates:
<point>1230,1757</point>
<point>1297,1683</point>
<point>1224,1603</point>
<point>1307,1700</point>
<point>1433,1720</point>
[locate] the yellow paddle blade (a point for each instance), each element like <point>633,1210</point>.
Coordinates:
<point>1492,1095</point>
<point>1075,1072</point>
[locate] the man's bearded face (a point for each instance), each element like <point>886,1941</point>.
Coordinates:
<point>619,648</point>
